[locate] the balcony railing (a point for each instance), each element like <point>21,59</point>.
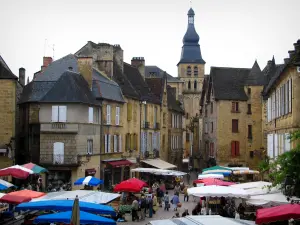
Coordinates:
<point>59,159</point>
<point>59,128</point>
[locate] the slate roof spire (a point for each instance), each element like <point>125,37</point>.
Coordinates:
<point>255,77</point>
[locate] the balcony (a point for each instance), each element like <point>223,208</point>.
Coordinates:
<point>156,126</point>
<point>59,128</point>
<point>146,125</point>
<point>51,159</point>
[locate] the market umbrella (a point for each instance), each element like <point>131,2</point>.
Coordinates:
<point>27,193</point>
<point>278,213</point>
<point>211,181</point>
<point>11,199</point>
<point>217,170</point>
<point>64,217</point>
<point>66,205</point>
<point>75,218</point>
<point>16,171</point>
<point>217,191</point>
<point>35,168</point>
<point>5,185</point>
<point>131,185</point>
<point>211,175</point>
<point>89,180</point>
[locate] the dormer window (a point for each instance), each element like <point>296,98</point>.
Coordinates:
<point>195,71</point>
<point>189,71</point>
<point>191,20</point>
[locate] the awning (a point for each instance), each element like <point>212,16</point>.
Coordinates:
<point>120,163</point>
<point>160,164</point>
<point>90,172</point>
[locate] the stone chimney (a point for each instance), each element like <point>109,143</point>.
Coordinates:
<point>46,62</point>
<point>297,45</point>
<point>139,62</point>
<point>291,53</point>
<point>85,68</point>
<point>22,76</point>
<point>118,57</point>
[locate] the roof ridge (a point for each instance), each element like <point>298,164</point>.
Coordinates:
<point>221,67</point>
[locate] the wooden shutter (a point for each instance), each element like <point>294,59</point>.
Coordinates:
<point>129,111</point>
<point>108,114</point>
<point>105,143</point>
<point>109,143</point>
<point>290,95</point>
<point>115,143</point>
<point>54,113</point>
<point>91,115</point>
<point>269,110</point>
<point>286,98</point>
<point>287,142</point>
<point>117,115</point>
<point>233,107</point>
<point>237,148</point>
<point>269,145</point>
<point>120,143</point>
<point>62,114</point>
<point>275,145</point>
<point>279,102</point>
<point>235,126</point>
<point>233,149</point>
<point>158,140</point>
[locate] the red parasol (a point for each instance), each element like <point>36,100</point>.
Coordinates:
<point>131,185</point>
<point>278,213</point>
<point>27,193</point>
<point>16,171</point>
<point>12,199</point>
<point>212,181</point>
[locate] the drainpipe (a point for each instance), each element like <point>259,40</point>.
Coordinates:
<point>101,137</point>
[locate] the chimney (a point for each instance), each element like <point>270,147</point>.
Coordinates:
<point>22,76</point>
<point>297,45</point>
<point>139,62</point>
<point>46,62</point>
<point>291,53</point>
<point>85,68</point>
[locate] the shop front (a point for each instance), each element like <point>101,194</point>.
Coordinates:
<point>57,180</point>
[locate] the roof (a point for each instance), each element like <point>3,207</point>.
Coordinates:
<point>173,104</point>
<point>276,72</point>
<point>205,89</point>
<point>77,90</point>
<point>155,71</point>
<point>228,83</point>
<point>255,77</point>
<point>5,72</point>
<point>139,84</point>
<point>156,86</point>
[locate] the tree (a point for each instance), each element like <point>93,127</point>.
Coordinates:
<point>287,165</point>
<point>264,167</point>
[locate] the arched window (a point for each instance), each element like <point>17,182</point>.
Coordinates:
<point>195,85</point>
<point>189,71</point>
<point>189,85</point>
<point>195,71</point>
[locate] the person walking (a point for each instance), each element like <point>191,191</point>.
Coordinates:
<point>167,201</point>
<point>155,204</point>
<point>175,201</point>
<point>185,194</point>
<point>134,209</point>
<point>150,205</point>
<point>185,213</point>
<point>143,207</point>
<point>177,189</point>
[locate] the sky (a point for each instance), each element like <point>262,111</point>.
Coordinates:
<point>233,33</point>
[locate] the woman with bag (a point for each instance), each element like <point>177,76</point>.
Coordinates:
<point>175,201</point>
<point>167,200</point>
<point>155,204</point>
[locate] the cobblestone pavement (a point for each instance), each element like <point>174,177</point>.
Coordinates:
<point>161,214</point>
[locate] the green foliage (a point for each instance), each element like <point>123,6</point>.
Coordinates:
<point>264,166</point>
<point>287,165</point>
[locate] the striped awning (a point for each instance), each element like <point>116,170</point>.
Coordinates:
<point>240,172</point>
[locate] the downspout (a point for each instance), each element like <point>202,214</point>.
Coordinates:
<point>101,137</point>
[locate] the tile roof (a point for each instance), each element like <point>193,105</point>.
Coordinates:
<point>156,86</point>
<point>255,77</point>
<point>5,72</point>
<point>155,71</point>
<point>173,104</point>
<point>139,84</point>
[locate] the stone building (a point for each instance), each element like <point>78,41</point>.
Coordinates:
<point>281,104</point>
<point>231,111</point>
<point>9,93</point>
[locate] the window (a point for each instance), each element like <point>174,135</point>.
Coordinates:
<point>164,118</point>
<point>117,143</point>
<point>195,85</point>
<point>212,150</point>
<point>249,111</point>
<point>129,111</point>
<point>127,142</point>
<point>195,71</point>
<point>98,115</point>
<point>59,114</point>
<point>135,140</point>
<point>235,148</point>
<point>107,143</point>
<point>235,126</point>
<point>155,115</point>
<point>206,128</point>
<point>117,115</point>
<point>187,115</point>
<point>108,114</point>
<point>211,127</point>
<point>187,136</point>
<point>249,131</point>
<point>191,20</point>
<point>145,112</point>
<point>189,71</point>
<point>235,107</point>
<point>189,85</point>
<point>91,115</point>
<point>205,110</point>
<point>90,146</point>
<point>211,107</point>
<point>58,153</point>
<point>249,91</point>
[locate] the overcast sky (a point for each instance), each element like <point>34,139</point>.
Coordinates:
<point>232,32</point>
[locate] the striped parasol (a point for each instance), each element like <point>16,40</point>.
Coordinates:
<point>16,171</point>
<point>5,185</point>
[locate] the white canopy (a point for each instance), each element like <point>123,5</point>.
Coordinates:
<point>216,176</point>
<point>250,185</point>
<point>159,171</point>
<point>218,191</point>
<point>257,188</point>
<point>97,197</point>
<point>268,199</point>
<point>160,164</point>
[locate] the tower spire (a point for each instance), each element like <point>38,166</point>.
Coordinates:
<point>191,4</point>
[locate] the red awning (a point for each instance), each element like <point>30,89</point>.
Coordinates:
<point>120,163</point>
<point>12,199</point>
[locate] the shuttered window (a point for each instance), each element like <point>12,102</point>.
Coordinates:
<point>107,142</point>
<point>58,153</point>
<point>235,107</point>
<point>129,111</point>
<point>90,146</point>
<point>235,126</point>
<point>127,142</point>
<point>91,115</point>
<point>290,95</point>
<point>59,114</point>
<point>108,114</point>
<point>235,148</point>
<point>270,145</point>
<point>120,143</point>
<point>117,115</point>
<point>54,113</point>
<point>115,143</point>
<point>276,146</point>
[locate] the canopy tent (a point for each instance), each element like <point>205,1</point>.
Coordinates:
<point>212,181</point>
<point>66,205</point>
<point>217,170</point>
<point>217,191</point>
<point>65,217</point>
<point>96,197</point>
<point>27,193</point>
<point>268,199</point>
<point>159,171</point>
<point>278,213</point>
<point>160,164</point>
<point>131,185</point>
<point>211,175</point>
<point>5,185</point>
<point>89,180</point>
<point>16,171</point>
<point>35,168</point>
<point>257,188</point>
<point>250,185</point>
<point>241,172</point>
<point>12,199</point>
